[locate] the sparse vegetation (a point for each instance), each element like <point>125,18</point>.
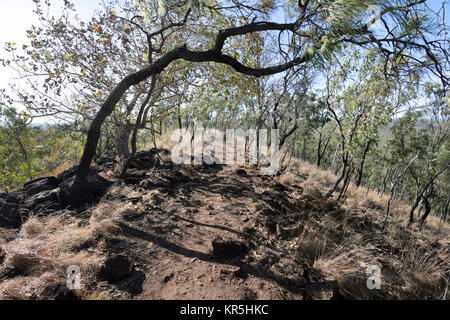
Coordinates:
<point>360,113</point>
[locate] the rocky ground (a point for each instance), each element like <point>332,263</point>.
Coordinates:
<point>168,231</point>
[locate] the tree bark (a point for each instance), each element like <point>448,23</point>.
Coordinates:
<point>339,179</point>
<point>319,154</point>
<point>421,194</point>
<point>386,179</point>
<point>346,183</point>
<point>427,206</point>
<point>361,166</point>
<point>137,124</point>
<point>121,141</point>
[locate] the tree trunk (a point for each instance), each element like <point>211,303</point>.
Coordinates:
<point>339,179</point>
<point>304,157</point>
<point>346,183</point>
<point>413,209</point>
<point>421,206</point>
<point>121,141</point>
<point>319,154</point>
<point>137,124</point>
<point>386,179</point>
<point>445,210</point>
<point>426,203</point>
<point>361,167</point>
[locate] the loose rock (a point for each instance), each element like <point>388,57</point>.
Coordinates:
<point>116,268</point>
<point>228,249</point>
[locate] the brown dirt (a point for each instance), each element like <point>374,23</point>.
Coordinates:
<point>171,239</point>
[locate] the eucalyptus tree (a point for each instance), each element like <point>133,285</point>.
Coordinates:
<point>307,30</point>
<point>430,136</point>
<point>360,101</point>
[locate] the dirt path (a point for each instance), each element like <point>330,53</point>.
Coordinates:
<point>171,240</point>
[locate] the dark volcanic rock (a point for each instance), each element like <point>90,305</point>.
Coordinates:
<point>2,255</point>
<point>7,272</point>
<point>116,268</point>
<point>97,184</point>
<point>228,249</point>
<point>47,197</point>
<point>155,181</point>
<point>271,225</point>
<point>279,187</point>
<point>57,291</point>
<point>146,159</point>
<point>322,291</point>
<point>241,172</point>
<point>40,185</point>
<point>233,273</point>
<point>9,197</point>
<point>134,176</point>
<point>105,163</point>
<point>96,187</point>
<point>176,177</point>
<point>68,173</point>
<point>9,211</point>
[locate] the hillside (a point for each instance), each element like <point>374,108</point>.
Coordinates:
<point>169,231</point>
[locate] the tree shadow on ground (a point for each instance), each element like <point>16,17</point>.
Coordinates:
<point>259,271</point>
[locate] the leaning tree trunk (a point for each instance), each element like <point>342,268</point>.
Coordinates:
<point>338,180</point>
<point>346,183</point>
<point>361,166</point>
<point>80,184</point>
<point>427,206</point>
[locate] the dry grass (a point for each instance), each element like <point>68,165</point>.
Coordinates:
<point>412,265</point>
<point>316,178</point>
<point>338,263</point>
<point>104,219</point>
<point>424,273</point>
<point>287,178</point>
<point>61,168</point>
<point>46,247</point>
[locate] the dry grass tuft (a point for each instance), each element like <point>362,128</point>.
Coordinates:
<point>61,168</point>
<point>46,247</point>
<point>287,178</point>
<point>333,244</point>
<point>104,219</point>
